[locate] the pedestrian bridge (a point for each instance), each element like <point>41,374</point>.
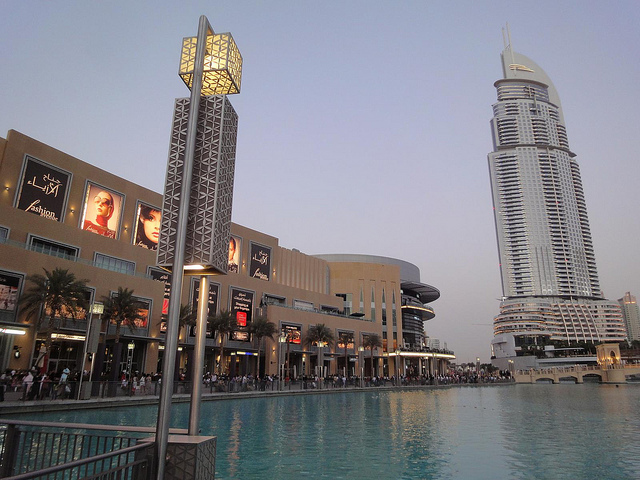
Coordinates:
<point>604,373</point>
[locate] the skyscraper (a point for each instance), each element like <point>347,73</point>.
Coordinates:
<point>631,314</point>
<point>550,281</point>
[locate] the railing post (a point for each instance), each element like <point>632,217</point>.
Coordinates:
<point>11,442</point>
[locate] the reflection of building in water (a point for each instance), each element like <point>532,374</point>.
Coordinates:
<point>551,290</point>
<point>355,294</point>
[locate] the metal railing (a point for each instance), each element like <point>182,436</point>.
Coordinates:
<point>43,450</point>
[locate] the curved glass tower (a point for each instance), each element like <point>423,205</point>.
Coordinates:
<point>549,277</point>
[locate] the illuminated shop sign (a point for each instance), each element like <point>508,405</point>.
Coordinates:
<point>147,230</point>
<point>43,189</point>
<point>235,248</point>
<point>102,211</point>
<point>260,263</point>
<point>241,309</point>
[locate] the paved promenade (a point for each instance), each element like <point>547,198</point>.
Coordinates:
<point>8,408</point>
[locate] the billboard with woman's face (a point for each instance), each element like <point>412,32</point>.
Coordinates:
<point>102,210</point>
<point>147,223</point>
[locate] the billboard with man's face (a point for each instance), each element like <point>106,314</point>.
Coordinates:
<point>102,210</point>
<point>43,189</point>
<point>235,247</point>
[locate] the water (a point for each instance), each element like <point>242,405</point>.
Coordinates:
<point>510,432</point>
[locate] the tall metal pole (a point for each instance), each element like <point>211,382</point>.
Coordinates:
<point>198,355</point>
<point>171,341</point>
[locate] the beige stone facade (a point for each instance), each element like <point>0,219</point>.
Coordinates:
<point>292,289</point>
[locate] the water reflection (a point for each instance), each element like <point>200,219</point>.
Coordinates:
<point>507,432</point>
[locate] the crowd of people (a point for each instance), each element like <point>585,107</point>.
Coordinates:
<point>38,386</point>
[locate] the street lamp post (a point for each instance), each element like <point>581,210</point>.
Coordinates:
<point>210,64</point>
<point>360,364</point>
<point>281,339</point>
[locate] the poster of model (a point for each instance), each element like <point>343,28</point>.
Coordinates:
<point>260,262</point>
<point>102,211</point>
<point>147,222</point>
<point>235,247</point>
<point>241,308</point>
<point>9,289</point>
<point>43,189</point>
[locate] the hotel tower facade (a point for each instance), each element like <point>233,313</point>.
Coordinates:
<point>548,268</point>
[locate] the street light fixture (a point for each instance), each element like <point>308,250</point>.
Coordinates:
<point>195,221</point>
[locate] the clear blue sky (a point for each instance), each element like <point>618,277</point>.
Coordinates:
<point>364,126</point>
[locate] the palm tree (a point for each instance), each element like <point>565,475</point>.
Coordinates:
<point>372,341</point>
<point>261,328</point>
<point>122,309</point>
<point>346,338</point>
<point>187,317</point>
<point>223,324</point>
<point>56,293</point>
<point>319,335</point>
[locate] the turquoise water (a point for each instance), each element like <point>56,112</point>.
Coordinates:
<point>508,432</point>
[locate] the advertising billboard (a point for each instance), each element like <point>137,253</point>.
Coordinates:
<point>43,189</point>
<point>212,308</point>
<point>241,308</point>
<point>235,248</point>
<point>9,290</point>
<point>260,262</point>
<point>164,277</point>
<point>147,222</point>
<point>293,333</point>
<point>102,210</point>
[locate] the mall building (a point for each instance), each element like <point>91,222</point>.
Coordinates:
<point>57,211</point>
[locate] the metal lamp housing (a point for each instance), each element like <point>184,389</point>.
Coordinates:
<point>222,70</point>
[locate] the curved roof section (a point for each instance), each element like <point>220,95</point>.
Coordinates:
<point>425,293</point>
<point>408,271</point>
<point>516,66</point>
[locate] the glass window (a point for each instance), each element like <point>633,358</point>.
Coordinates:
<point>54,249</point>
<point>114,264</point>
<point>4,234</point>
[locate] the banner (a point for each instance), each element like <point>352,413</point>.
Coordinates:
<point>102,210</point>
<point>147,222</point>
<point>43,189</point>
<point>242,309</point>
<point>260,263</point>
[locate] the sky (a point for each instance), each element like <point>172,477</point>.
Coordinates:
<point>363,125</point>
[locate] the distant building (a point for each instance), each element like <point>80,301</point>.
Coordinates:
<point>631,314</point>
<point>550,284</point>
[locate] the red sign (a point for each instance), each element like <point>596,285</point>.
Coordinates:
<point>241,319</point>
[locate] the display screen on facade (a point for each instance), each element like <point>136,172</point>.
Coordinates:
<point>43,189</point>
<point>241,308</point>
<point>147,223</point>
<point>235,247</point>
<point>165,277</point>
<point>9,290</point>
<point>260,263</point>
<point>102,211</point>
<point>293,333</point>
